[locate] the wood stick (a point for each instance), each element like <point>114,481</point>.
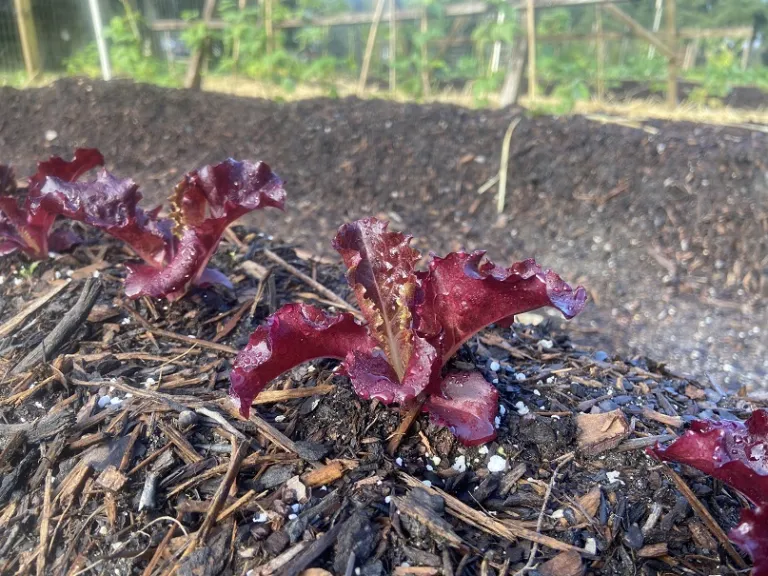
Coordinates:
<point>64,330</point>
<point>671,26</point>
<point>329,294</point>
<point>369,47</point>
<point>18,319</point>
<point>703,513</point>
<point>480,520</point>
<point>600,54</point>
<point>273,396</point>
<point>189,340</point>
<point>424,28</point>
<point>42,553</point>
<point>405,424</point>
<point>504,165</point>
<point>392,47</point>
<point>531,25</point>
<point>221,495</point>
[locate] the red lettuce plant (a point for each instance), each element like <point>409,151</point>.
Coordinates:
<point>735,453</point>
<point>176,250</point>
<point>26,226</point>
<point>415,322</point>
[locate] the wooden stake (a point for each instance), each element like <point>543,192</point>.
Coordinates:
<point>392,47</point>
<point>28,37</point>
<point>656,24</point>
<point>194,79</point>
<point>671,22</point>
<point>369,47</point>
<point>600,54</point>
<point>424,28</point>
<point>531,20</point>
<point>268,25</point>
<point>236,43</point>
<point>101,45</point>
<point>510,92</point>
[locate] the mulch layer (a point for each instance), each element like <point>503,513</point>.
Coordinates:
<point>121,453</point>
<point>666,224</point>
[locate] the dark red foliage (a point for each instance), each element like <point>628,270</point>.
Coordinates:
<point>467,406</point>
<point>111,204</point>
<point>176,250</point>
<point>463,293</point>
<point>295,334</point>
<point>26,225</point>
<point>416,322</point>
<point>205,203</point>
<point>737,454</point>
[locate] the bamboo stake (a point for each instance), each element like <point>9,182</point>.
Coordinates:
<point>369,47</point>
<point>671,18</point>
<point>392,47</point>
<point>600,54</point>
<point>28,37</point>
<point>656,24</point>
<point>531,20</point>
<point>268,25</point>
<point>101,45</point>
<point>424,29</point>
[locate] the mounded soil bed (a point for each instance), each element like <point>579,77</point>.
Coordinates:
<point>121,452</point>
<point>667,230</point>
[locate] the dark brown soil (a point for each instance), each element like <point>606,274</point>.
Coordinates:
<point>667,230</point>
<point>143,448</point>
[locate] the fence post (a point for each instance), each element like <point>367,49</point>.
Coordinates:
<point>28,37</point>
<point>101,45</point>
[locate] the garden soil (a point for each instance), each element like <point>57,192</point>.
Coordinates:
<point>121,453</point>
<point>666,226</point>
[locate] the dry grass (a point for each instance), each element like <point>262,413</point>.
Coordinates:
<point>633,110</point>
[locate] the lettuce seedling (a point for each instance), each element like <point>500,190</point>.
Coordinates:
<point>415,322</point>
<point>175,250</point>
<point>735,453</point>
<point>26,225</point>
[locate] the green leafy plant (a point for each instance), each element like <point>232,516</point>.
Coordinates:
<point>126,56</point>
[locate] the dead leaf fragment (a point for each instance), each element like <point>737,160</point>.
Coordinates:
<point>653,550</point>
<point>111,479</point>
<point>589,503</point>
<point>600,432</point>
<point>328,474</point>
<point>564,564</point>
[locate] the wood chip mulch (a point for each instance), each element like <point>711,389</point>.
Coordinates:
<point>120,452</point>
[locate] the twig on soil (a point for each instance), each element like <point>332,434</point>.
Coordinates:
<point>42,553</point>
<point>338,300</point>
<point>46,427</point>
<point>405,424</point>
<point>488,184</point>
<point>504,165</point>
<point>305,558</point>
<point>534,550</point>
<point>479,520</point>
<point>220,497</point>
<point>274,396</point>
<point>704,514</point>
<point>189,340</point>
<point>11,324</point>
<point>64,330</point>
